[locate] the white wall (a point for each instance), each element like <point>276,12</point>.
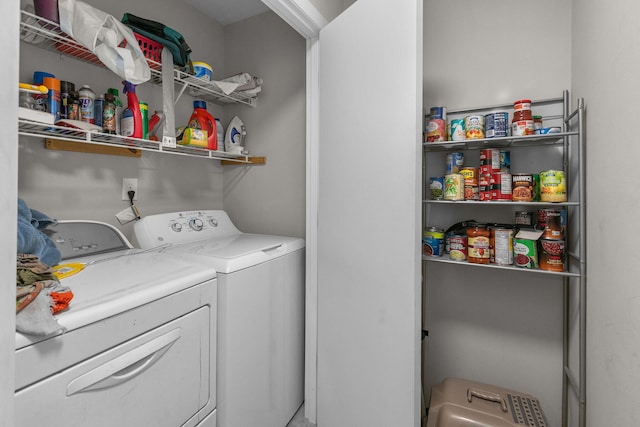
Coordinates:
<point>270,198</point>
<point>496,327</point>
<point>605,71</point>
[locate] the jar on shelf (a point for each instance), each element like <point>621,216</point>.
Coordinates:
<point>537,122</point>
<point>478,244</point>
<point>522,123</point>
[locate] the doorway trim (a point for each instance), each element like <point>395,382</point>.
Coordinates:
<point>303,17</point>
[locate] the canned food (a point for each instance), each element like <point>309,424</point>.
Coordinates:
<point>433,242</point>
<point>474,127</point>
<point>551,223</point>
<point>500,186</point>
<point>438,113</point>
<point>525,252</point>
<point>436,130</point>
<point>524,218</point>
<point>484,187</point>
<point>552,255</point>
<point>490,157</point>
<point>553,187</point>
<point>458,247</point>
<point>470,175</point>
<point>436,188</point>
<point>501,246</point>
<point>522,187</point>
<point>486,170</point>
<point>456,130</point>
<point>536,187</point>
<point>496,124</point>
<point>543,214</point>
<point>454,162</point>
<point>454,187</point>
<point>505,161</point>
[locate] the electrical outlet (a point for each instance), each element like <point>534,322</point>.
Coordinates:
<point>127,185</point>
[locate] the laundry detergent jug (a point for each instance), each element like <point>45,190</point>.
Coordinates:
<point>202,119</point>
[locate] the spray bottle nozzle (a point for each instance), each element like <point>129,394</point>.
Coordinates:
<point>128,87</point>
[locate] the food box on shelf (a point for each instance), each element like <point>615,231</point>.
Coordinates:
<point>525,248</point>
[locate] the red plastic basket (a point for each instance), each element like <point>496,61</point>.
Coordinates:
<point>151,50</point>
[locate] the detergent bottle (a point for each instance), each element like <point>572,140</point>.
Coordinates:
<point>202,119</point>
<point>131,123</point>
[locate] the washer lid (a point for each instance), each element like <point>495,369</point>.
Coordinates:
<point>242,250</point>
<point>115,282</point>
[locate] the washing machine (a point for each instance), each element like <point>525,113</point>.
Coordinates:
<point>139,340</point>
<point>260,311</point>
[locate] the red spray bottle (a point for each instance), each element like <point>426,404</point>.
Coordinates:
<point>131,124</point>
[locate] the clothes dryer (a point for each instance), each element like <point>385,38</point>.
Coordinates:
<point>260,311</point>
<point>139,346</point>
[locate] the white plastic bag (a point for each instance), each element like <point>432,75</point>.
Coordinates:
<point>102,34</point>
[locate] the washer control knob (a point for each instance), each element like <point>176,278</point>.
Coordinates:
<point>196,224</point>
<point>213,222</point>
<point>177,227</point>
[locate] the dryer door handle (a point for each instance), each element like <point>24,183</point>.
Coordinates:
<point>126,366</point>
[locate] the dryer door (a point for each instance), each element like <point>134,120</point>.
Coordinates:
<point>158,378</point>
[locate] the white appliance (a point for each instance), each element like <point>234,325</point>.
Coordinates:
<point>140,342</point>
<point>260,312</point>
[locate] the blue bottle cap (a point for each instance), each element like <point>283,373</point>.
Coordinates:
<point>199,104</point>
<point>38,77</point>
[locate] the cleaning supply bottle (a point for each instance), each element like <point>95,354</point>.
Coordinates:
<point>118,103</point>
<point>220,134</point>
<point>202,119</point>
<point>131,123</point>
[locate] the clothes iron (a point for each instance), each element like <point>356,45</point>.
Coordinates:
<point>235,135</point>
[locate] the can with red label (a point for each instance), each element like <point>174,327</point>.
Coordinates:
<point>484,187</point>
<point>544,214</point>
<point>470,175</point>
<point>458,247</point>
<point>500,186</point>
<point>490,157</point>
<point>436,130</point>
<point>551,255</point>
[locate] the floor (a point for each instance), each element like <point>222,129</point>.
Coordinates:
<point>299,420</point>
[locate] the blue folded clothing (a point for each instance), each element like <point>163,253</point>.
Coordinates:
<point>31,239</point>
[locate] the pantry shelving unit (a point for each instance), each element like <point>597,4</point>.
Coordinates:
<point>571,143</point>
<point>47,35</point>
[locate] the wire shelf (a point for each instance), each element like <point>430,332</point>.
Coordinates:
<point>47,35</point>
<point>30,128</point>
